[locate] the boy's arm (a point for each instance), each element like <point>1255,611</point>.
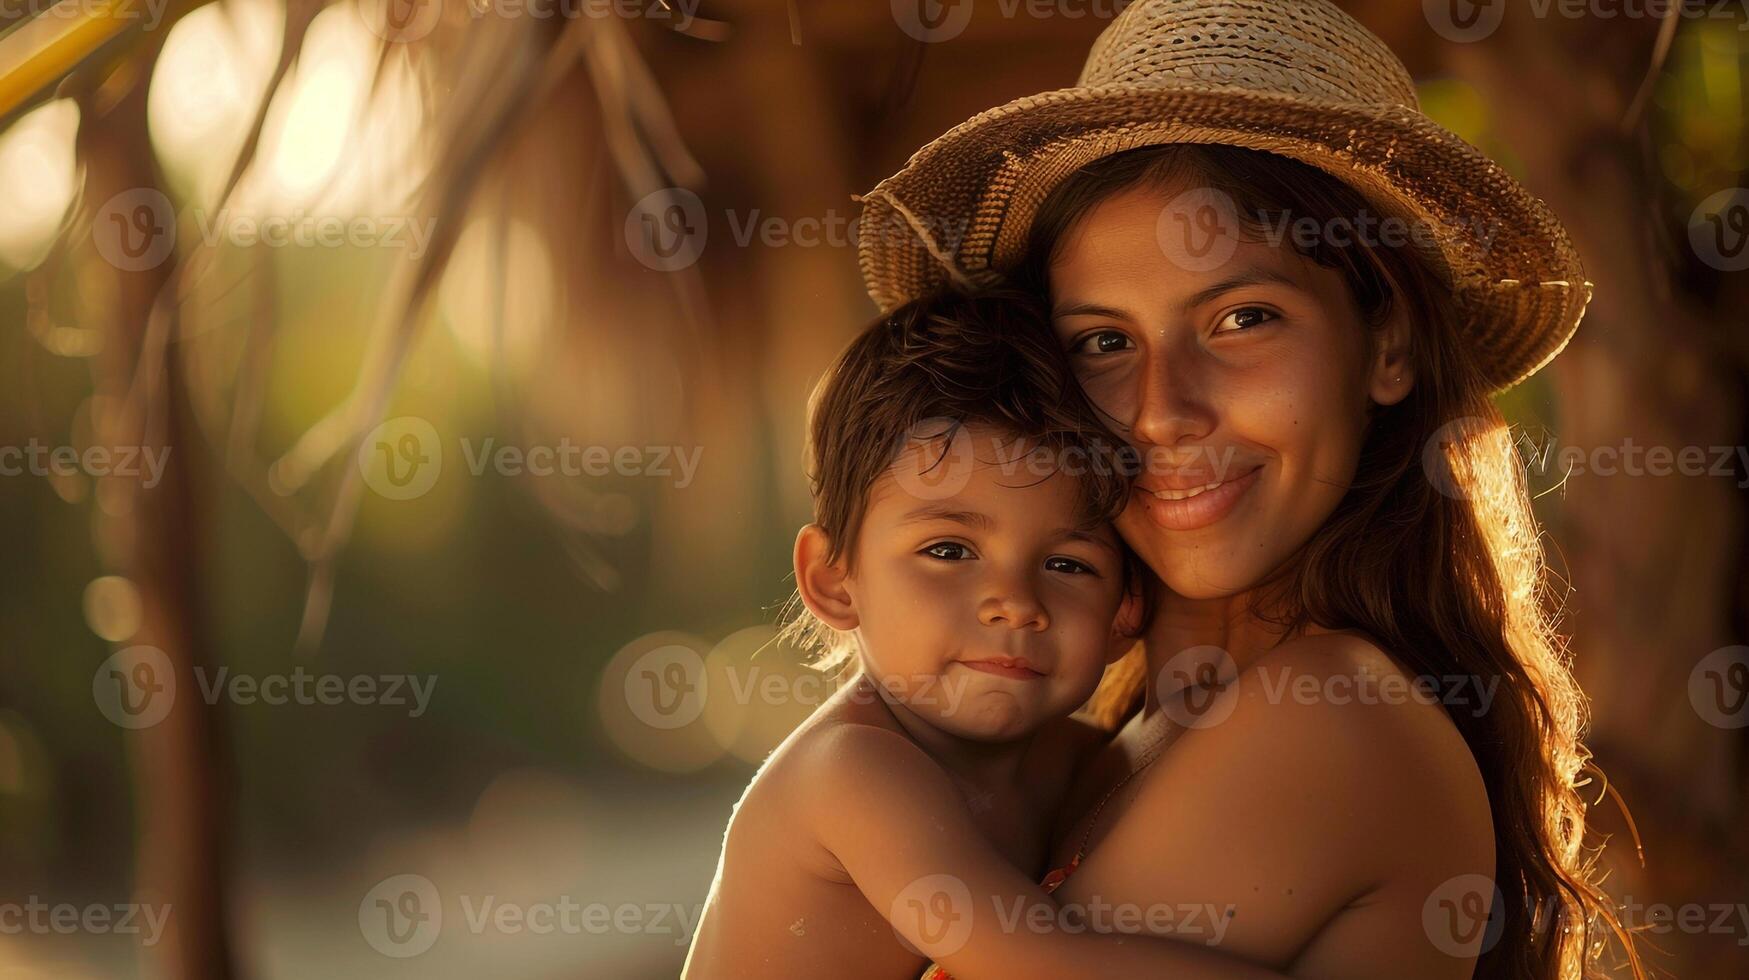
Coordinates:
<point>893,818</point>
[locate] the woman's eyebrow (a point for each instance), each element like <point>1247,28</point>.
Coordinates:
<point>1249,276</point>
<point>1091,309</point>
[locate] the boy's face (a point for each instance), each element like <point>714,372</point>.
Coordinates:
<point>981,606</point>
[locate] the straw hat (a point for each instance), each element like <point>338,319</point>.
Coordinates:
<point>1298,78</point>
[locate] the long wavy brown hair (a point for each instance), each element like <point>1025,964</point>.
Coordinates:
<point>1433,552</point>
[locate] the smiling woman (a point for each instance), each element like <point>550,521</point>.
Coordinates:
<point>1281,400</point>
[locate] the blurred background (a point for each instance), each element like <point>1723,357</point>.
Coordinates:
<point>400,419</point>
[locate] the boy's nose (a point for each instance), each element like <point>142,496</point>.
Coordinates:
<point>1015,610</point>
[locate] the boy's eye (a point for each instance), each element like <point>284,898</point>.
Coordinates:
<point>1244,319</point>
<point>948,551</point>
<point>1101,342</point>
<point>1058,563</point>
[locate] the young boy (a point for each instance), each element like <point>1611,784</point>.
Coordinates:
<point>963,560</point>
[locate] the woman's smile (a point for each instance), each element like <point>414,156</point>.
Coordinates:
<point>1191,508</point>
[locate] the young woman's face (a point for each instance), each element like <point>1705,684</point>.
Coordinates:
<point>1246,388</point>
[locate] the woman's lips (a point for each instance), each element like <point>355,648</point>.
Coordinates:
<point>1188,510</point>
<point>1005,667</point>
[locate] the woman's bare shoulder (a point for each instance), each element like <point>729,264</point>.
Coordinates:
<point>1310,785</point>
<point>1365,756</point>
<point>1343,715</point>
<point>1349,684</point>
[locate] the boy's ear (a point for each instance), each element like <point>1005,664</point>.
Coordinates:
<point>821,583</point>
<point>1126,627</point>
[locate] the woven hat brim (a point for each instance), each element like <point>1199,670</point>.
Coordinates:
<point>960,208</point>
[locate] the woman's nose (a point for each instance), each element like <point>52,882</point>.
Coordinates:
<point>1169,403</point>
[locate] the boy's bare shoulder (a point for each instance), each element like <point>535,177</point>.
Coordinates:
<point>848,750</point>
<point>848,747</point>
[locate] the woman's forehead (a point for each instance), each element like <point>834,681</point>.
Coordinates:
<point>1118,259</point>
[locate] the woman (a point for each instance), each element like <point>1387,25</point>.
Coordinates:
<point>1353,749</point>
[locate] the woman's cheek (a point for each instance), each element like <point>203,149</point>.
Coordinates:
<point>1112,388</point>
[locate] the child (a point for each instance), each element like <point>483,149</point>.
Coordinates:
<point>962,558</point>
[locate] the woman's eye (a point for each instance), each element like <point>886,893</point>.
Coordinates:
<point>1102,342</point>
<point>948,551</point>
<point>1245,319</point>
<point>1057,563</point>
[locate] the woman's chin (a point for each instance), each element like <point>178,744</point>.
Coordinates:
<point>1203,575</point>
<point>1207,568</point>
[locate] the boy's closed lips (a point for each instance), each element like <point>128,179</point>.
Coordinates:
<point>1018,668</point>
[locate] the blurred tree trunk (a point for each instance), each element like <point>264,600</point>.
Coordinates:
<point>152,537</point>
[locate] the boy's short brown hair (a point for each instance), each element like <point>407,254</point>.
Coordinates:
<point>932,366</point>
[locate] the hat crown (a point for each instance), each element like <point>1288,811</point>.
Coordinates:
<point>1302,48</point>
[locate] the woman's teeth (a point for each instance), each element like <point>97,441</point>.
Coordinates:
<point>1185,494</point>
